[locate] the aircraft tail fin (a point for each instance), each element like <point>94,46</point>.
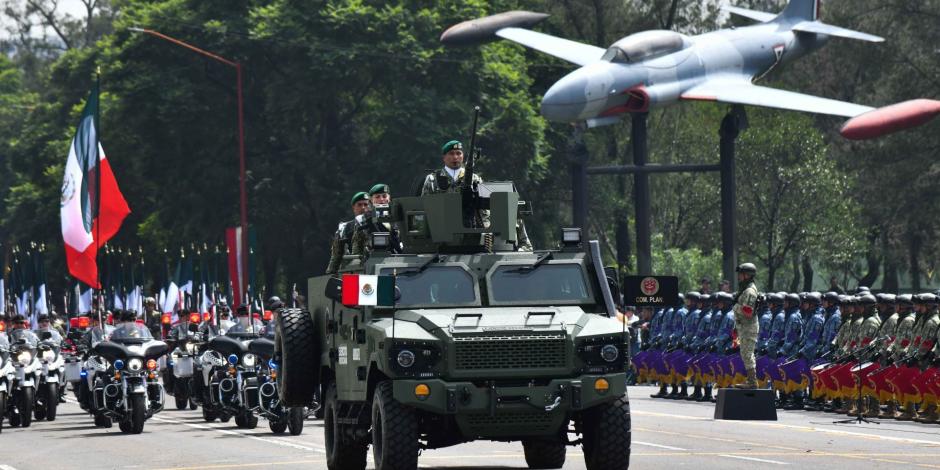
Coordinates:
<point>806,10</point>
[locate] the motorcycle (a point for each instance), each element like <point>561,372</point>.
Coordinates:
<point>53,372</point>
<point>23,351</point>
<point>126,387</point>
<point>229,371</point>
<point>280,418</point>
<point>7,375</point>
<point>178,375</point>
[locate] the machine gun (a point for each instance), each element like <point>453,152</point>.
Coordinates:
<point>469,192</point>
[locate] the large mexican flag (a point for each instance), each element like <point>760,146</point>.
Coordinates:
<point>92,211</point>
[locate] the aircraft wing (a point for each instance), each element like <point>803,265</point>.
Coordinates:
<point>744,92</point>
<point>754,15</point>
<point>574,52</point>
<point>830,30</point>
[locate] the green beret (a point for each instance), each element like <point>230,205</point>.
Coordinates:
<point>379,189</point>
<point>360,196</point>
<point>454,144</point>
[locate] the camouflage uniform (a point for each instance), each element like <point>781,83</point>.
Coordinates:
<point>341,244</point>
<point>440,181</point>
<point>747,324</point>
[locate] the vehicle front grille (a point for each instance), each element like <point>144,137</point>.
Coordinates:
<point>511,351</point>
<point>534,422</point>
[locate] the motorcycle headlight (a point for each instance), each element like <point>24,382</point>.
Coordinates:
<point>135,365</point>
<point>609,353</point>
<point>24,358</point>
<point>48,355</point>
<point>249,360</point>
<point>406,358</point>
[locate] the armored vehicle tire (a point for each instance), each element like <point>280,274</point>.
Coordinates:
<point>295,420</point>
<point>394,432</point>
<point>342,452</point>
<point>544,453</point>
<point>295,342</point>
<point>606,431</point>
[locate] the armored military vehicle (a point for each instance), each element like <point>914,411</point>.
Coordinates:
<point>473,340</point>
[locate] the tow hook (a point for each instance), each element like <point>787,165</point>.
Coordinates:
<point>554,404</point>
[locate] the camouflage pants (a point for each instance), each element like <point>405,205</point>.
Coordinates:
<point>748,332</point>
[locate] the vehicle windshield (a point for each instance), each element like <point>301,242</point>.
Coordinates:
<point>548,284</point>
<point>131,332</point>
<point>436,286</point>
<point>24,334</point>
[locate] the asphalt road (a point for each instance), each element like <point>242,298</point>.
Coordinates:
<point>666,434</point>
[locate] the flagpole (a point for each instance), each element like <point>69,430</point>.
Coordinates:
<point>98,180</point>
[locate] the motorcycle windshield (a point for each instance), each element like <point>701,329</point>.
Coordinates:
<point>242,330</point>
<point>131,332</point>
<point>24,335</point>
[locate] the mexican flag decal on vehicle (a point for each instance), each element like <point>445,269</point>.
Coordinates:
<point>368,290</point>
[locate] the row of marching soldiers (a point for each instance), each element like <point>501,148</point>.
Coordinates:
<point>827,351</point>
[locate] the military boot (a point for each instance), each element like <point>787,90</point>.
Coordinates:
<point>890,409</point>
<point>674,392</point>
<point>696,393</point>
<point>852,409</point>
<point>874,408</point>
<point>683,392</point>
<point>750,383</point>
<point>796,403</point>
<point>928,415</point>
<point>782,401</point>
<point>908,414</point>
<point>662,391</point>
<point>707,396</point>
<point>837,406</point>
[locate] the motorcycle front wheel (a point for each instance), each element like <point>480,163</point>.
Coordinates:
<point>52,401</point>
<point>295,420</point>
<point>181,394</point>
<point>3,408</point>
<point>138,413</point>
<point>25,406</point>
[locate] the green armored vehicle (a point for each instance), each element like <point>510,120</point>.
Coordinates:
<point>473,340</point>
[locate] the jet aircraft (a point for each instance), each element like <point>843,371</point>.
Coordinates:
<point>653,69</point>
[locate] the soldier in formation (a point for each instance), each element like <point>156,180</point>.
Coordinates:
<point>878,355</point>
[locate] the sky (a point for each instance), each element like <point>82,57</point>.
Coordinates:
<point>72,7</point>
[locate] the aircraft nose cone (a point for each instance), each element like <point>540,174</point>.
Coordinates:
<point>565,100</point>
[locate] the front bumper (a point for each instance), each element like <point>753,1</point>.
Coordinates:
<point>504,411</point>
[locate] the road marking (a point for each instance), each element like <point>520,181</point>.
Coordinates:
<point>795,427</point>
<point>7,467</point>
<point>248,435</point>
<point>660,446</point>
<point>244,465</point>
<point>752,459</point>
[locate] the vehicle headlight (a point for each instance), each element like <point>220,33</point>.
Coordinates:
<point>406,358</point>
<point>24,358</point>
<point>609,353</point>
<point>249,360</point>
<point>135,365</point>
<point>48,355</point>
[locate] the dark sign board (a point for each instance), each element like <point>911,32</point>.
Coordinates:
<point>651,291</point>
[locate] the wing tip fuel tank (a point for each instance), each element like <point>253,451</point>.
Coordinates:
<point>484,29</point>
<point>891,119</point>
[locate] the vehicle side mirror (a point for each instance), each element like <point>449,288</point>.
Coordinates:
<point>334,289</point>
<point>44,335</point>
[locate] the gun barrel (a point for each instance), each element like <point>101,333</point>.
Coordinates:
<point>468,172</point>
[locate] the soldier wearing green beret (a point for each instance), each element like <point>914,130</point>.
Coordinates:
<point>449,178</point>
<point>342,239</point>
<point>366,224</point>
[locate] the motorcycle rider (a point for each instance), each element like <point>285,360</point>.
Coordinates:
<point>247,323</point>
<point>152,316</point>
<point>21,330</point>
<point>45,325</point>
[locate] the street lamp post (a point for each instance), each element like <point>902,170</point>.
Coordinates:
<point>243,197</point>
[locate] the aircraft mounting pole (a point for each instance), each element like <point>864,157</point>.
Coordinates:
<point>731,126</point>
<point>641,195</point>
